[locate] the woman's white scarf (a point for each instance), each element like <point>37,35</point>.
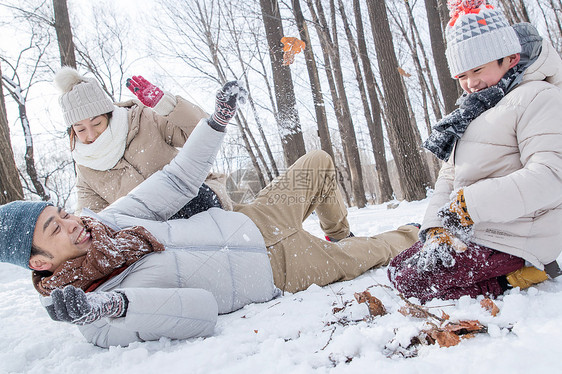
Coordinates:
<point>109,147</point>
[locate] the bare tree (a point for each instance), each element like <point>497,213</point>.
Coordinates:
<point>291,134</point>
<point>104,52</point>
<point>246,134</point>
<point>314,78</point>
<point>515,11</point>
<point>556,7</point>
<point>423,72</point>
<point>195,36</point>
<point>412,167</point>
<point>325,42</point>
<point>51,178</point>
<point>38,14</point>
<point>38,23</point>
<point>19,95</point>
<point>443,15</point>
<point>449,88</point>
<point>348,136</point>
<point>552,21</point>
<point>10,184</point>
<point>376,131</point>
<point>64,33</point>
<point>360,81</point>
<point>332,67</point>
<point>421,62</point>
<point>235,33</point>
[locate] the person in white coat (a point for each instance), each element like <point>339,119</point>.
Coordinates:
<point>129,273</point>
<point>494,219</point>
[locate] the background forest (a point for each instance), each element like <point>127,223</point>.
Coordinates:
<point>367,87</point>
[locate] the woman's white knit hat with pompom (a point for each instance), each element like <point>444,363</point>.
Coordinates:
<point>81,97</point>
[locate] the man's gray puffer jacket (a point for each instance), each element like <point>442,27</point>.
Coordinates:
<point>215,262</point>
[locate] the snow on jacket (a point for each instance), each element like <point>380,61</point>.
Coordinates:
<point>215,261</point>
<point>150,145</point>
<point>509,162</point>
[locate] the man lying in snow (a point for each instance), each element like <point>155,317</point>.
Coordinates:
<point>129,274</point>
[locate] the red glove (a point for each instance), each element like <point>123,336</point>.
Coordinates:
<point>147,93</point>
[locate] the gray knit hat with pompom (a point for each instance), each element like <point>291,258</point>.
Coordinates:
<point>477,34</point>
<point>81,97</point>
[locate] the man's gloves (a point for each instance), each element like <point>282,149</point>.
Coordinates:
<point>438,247</point>
<point>73,305</point>
<point>226,103</point>
<point>456,219</point>
<point>147,93</point>
<point>526,277</point>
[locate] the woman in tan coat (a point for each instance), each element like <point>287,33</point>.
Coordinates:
<point>117,146</point>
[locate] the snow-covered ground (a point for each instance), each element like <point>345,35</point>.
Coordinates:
<point>300,333</point>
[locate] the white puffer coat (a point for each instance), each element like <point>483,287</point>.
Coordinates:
<point>215,262</point>
<point>509,162</point>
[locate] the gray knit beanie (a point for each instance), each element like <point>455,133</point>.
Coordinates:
<point>81,97</point>
<point>477,34</point>
<point>17,224</point>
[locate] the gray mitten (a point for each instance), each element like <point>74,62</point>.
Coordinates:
<point>73,305</point>
<point>226,103</point>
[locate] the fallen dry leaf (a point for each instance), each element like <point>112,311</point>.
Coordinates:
<point>444,338</point>
<point>376,308</point>
<point>465,327</point>
<point>490,306</point>
<point>452,333</point>
<point>337,309</point>
<point>404,73</point>
<point>414,311</point>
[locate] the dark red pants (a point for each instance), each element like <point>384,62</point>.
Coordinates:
<point>475,272</point>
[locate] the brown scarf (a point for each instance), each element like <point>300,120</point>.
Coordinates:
<point>110,250</point>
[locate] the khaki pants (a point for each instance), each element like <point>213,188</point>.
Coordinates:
<point>298,258</point>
